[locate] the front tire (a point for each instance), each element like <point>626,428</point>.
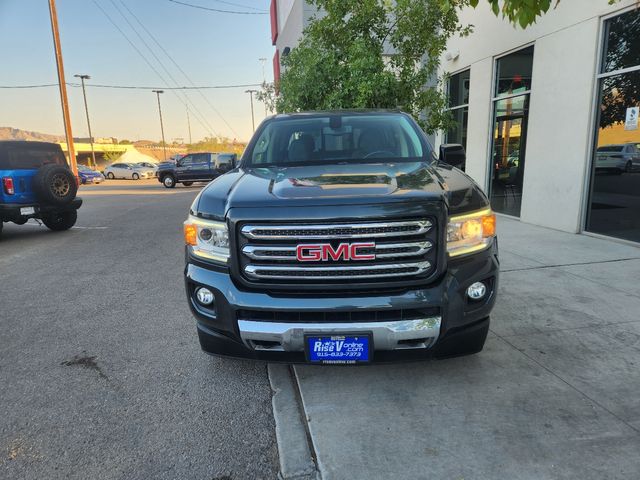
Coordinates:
<point>168,181</point>
<point>628,167</point>
<point>60,221</point>
<point>111,176</point>
<point>135,176</point>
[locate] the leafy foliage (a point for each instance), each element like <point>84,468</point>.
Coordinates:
<point>343,60</point>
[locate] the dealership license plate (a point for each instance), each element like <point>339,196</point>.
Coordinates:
<point>338,349</point>
<point>27,211</point>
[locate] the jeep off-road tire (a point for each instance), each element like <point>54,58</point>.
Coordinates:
<point>60,221</point>
<point>169,181</point>
<point>55,185</point>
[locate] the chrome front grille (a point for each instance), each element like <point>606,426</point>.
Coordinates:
<point>326,232</point>
<point>387,250</point>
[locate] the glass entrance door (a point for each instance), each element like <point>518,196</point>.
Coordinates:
<point>509,139</point>
<point>510,113</point>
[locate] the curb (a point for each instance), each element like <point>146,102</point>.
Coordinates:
<point>296,460</point>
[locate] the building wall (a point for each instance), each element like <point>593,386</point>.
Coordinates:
<point>566,45</point>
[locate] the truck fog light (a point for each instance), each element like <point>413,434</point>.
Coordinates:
<point>477,291</point>
<point>204,296</point>
<point>206,234</point>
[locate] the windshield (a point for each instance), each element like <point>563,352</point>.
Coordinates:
<point>338,138</point>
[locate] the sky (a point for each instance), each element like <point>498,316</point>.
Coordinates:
<point>212,48</point>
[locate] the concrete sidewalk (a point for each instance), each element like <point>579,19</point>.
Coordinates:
<point>555,393</point>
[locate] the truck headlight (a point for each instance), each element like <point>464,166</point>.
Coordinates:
<point>471,232</point>
<point>208,239</point>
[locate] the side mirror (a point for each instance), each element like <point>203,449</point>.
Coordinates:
<point>178,163</point>
<point>453,154</point>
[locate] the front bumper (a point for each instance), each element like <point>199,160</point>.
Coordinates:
<point>271,325</point>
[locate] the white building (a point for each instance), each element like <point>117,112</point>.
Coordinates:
<point>548,115</point>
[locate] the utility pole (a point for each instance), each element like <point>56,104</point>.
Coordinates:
<point>63,87</point>
<point>189,125</point>
<point>164,144</point>
<point>253,122</point>
<point>86,109</point>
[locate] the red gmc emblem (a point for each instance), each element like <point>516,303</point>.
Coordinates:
<point>324,252</point>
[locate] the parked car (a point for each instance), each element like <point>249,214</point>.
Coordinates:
<point>196,167</point>
<point>340,238</point>
<point>87,175</point>
<point>37,183</point>
<point>127,171</point>
<point>619,158</point>
<point>147,167</point>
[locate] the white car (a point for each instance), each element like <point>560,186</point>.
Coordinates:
<point>147,166</point>
<point>127,170</point>
<point>624,157</point>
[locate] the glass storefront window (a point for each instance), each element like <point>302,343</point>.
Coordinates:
<point>458,92</point>
<point>622,42</point>
<point>511,112</point>
<point>614,207</point>
<point>614,200</point>
<point>513,73</point>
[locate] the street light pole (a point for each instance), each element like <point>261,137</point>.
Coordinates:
<point>86,109</point>
<point>253,122</point>
<point>63,87</point>
<point>164,144</point>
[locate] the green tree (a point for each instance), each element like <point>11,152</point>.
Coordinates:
<point>519,12</point>
<point>341,61</point>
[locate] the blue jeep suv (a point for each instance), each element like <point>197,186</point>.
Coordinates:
<point>36,182</point>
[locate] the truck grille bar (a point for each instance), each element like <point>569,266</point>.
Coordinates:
<point>338,272</point>
<point>325,232</point>
<point>393,250</point>
<point>387,250</point>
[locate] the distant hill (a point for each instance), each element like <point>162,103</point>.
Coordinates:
<point>8,133</point>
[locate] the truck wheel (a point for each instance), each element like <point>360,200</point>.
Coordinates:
<point>168,181</point>
<point>60,221</point>
<point>55,185</point>
<point>187,184</point>
<point>110,176</point>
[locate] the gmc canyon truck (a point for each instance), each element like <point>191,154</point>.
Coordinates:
<point>341,239</point>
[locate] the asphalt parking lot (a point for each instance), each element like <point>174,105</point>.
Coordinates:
<point>103,378</point>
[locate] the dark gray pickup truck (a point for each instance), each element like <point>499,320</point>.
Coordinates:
<point>195,167</point>
<point>342,239</point>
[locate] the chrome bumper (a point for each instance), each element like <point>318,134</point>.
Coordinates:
<point>396,335</point>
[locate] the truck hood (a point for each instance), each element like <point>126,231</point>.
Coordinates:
<point>336,184</point>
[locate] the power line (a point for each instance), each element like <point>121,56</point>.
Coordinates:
<point>241,6</point>
<point>209,129</point>
<point>136,87</point>
<point>180,69</point>
<point>185,99</point>
<point>217,9</point>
